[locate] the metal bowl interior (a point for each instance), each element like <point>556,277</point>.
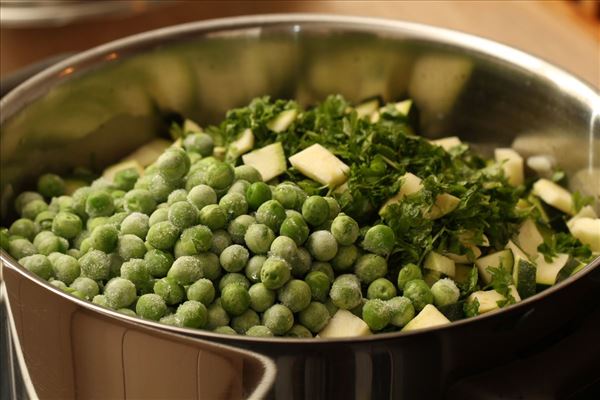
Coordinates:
<point>92,109</point>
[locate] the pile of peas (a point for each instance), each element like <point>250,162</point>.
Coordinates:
<point>195,242</point>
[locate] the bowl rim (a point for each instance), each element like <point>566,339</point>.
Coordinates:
<point>17,100</point>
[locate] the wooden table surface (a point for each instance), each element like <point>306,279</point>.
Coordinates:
<point>549,29</point>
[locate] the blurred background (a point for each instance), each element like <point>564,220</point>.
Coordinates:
<point>564,32</point>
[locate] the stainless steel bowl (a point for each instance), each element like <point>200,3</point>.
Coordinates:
<point>93,108</point>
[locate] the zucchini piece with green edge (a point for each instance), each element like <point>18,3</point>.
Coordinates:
<point>547,272</point>
<point>427,318</point>
<point>437,262</point>
<point>571,267</point>
<point>524,273</point>
<point>529,238</point>
<point>554,195</point>
<point>269,160</point>
<point>367,108</point>
<point>282,121</point>
<point>502,259</point>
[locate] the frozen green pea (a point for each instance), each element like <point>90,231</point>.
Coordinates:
<point>233,278</point>
<point>105,238</point>
<point>301,263</point>
<point>257,194</point>
<point>295,228</point>
<point>186,270</point>
<point>200,143</point>
<point>125,179</point>
<point>170,319</point>
<point>159,215</point>
<point>120,292</point>
<point>51,185</point>
<point>324,267</point>
<point>379,239</point>
<point>235,299</point>
<point>259,331</point>
<point>295,295</point>
<point>315,210</point>
<point>64,267</point>
<point>4,238</point>
<point>75,253</point>
<point>219,175</point>
<point>408,273</point>
<point>275,272</point>
<point>247,173</point>
<point>289,195</point>
<point>213,216</point>
<point>346,292</point>
<point>319,284</point>
<point>86,286</point>
<point>193,179</point>
<point>334,207</point>
<point>217,316</point>
<point>183,214</point>
<point>93,223</point>
<point>253,267</point>
<point>258,238</point>
<point>160,187</point>
<point>322,245</point>
<point>173,164</point>
<point>239,226</point>
<point>381,288</point>
<point>177,195</point>
<point>299,331</point>
<point>345,258</point>
<point>445,292</point>
<point>162,235</point>
<point>158,262</point>
<point>369,267</point>
<point>136,224</point>
<point>239,187</point>
<point>24,227</point>
<point>271,214</point>
<point>171,291</point>
<point>234,205</point>
<point>314,317</point>
<point>278,318</point>
<point>38,264</point>
<point>202,196</point>
<point>225,330</point>
<point>377,314</point>
<point>419,293</point>
<point>192,314</point>
<point>100,300</point>
<point>24,198</point>
<point>234,258</point>
<point>58,284</point>
<point>99,203</point>
<point>47,242</point>
<point>139,200</point>
<point>211,269</point>
<point>151,306</point>
<point>197,238</point>
<point>345,230</point>
<point>95,264</point>
<point>135,270</point>
<point>33,208</point>
<point>261,298</point>
<point>220,241</point>
<point>332,308</point>
<point>402,311</point>
<point>117,219</point>
<point>245,321</point>
<point>202,290</point>
<point>284,247</point>
<point>44,220</point>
